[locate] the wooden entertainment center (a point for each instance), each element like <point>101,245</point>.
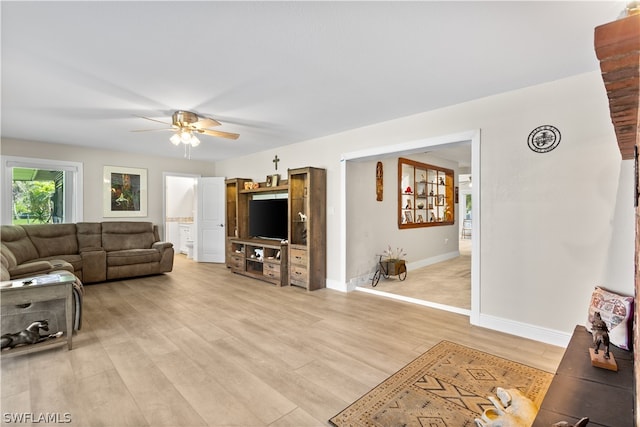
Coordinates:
<point>299,260</point>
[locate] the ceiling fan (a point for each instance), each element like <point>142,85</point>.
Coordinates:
<point>186,125</point>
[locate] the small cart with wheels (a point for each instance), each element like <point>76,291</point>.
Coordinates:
<point>389,267</point>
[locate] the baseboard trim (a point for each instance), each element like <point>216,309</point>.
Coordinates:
<point>424,303</point>
<point>432,260</point>
<point>336,285</point>
<point>525,330</point>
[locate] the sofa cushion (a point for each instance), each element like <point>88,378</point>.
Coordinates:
<point>16,245</point>
<point>123,235</point>
<point>4,268</point>
<point>8,258</point>
<point>53,239</point>
<point>75,260</point>
<point>89,235</point>
<point>132,256</point>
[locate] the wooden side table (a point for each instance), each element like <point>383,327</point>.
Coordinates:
<point>49,287</point>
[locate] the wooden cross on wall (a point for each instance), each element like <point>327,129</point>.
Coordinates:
<point>275,161</point>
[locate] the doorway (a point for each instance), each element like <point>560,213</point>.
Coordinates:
<point>355,254</point>
<point>194,222</point>
<point>443,281</point>
<point>179,211</point>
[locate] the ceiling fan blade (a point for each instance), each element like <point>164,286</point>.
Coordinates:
<point>152,130</point>
<point>221,134</point>
<point>205,122</point>
<point>154,120</point>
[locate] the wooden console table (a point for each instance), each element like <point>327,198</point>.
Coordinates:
<point>581,390</point>
<point>50,287</point>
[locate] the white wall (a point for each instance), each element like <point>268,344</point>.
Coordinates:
<point>549,221</point>
<point>93,162</point>
<point>180,198</point>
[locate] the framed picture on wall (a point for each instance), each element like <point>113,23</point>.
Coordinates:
<point>124,192</point>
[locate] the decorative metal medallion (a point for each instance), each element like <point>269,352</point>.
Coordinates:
<point>544,139</point>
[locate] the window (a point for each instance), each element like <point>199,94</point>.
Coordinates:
<point>41,191</point>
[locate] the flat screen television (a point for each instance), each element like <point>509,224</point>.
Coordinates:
<point>268,218</point>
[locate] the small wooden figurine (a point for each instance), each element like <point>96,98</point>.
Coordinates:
<point>379,186</point>
<point>601,336</point>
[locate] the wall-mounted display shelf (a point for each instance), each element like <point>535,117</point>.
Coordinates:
<point>425,195</point>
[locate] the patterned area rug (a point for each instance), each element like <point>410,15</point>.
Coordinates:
<point>445,387</point>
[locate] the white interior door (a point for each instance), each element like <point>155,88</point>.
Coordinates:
<point>210,220</point>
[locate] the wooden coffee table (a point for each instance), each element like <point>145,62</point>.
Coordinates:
<point>49,287</point>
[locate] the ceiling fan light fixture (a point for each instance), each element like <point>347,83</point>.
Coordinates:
<point>185,136</point>
<point>175,139</point>
<point>194,141</point>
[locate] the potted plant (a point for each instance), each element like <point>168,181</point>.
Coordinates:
<point>394,260</point>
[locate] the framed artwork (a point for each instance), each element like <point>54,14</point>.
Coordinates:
<point>124,192</point>
<point>272,180</point>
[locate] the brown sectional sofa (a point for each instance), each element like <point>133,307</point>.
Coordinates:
<point>93,251</point>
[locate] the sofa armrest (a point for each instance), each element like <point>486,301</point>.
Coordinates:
<point>167,253</point>
<point>30,269</point>
<point>161,246</point>
<point>94,265</point>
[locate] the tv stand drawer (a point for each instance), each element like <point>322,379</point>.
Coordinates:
<point>299,256</point>
<point>237,262</point>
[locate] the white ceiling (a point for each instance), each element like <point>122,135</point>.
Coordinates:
<point>274,72</point>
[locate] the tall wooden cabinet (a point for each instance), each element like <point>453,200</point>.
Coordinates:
<point>307,227</point>
<point>236,213</point>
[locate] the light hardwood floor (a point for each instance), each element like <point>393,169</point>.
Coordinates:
<point>202,346</point>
